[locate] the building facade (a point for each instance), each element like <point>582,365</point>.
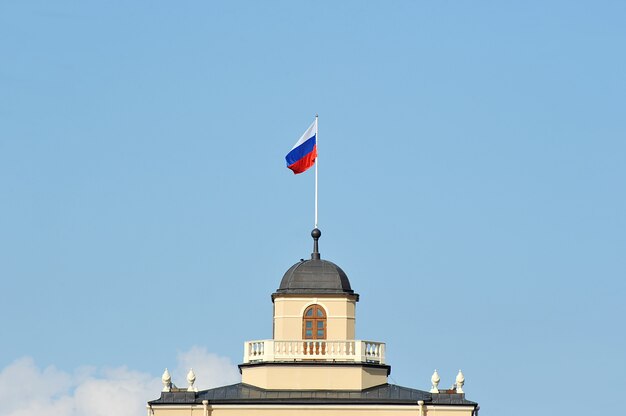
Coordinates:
<point>313,365</point>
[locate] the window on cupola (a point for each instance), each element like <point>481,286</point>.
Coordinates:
<point>314,323</point>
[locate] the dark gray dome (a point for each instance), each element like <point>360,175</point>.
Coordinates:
<point>315,276</point>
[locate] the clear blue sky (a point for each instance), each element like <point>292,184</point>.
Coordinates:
<point>472,184</point>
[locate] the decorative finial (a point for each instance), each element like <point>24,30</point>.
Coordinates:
<point>460,381</point>
<point>191,378</point>
<point>166,378</point>
<point>435,379</point>
<point>316,234</point>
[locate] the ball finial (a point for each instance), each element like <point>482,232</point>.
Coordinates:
<point>316,234</point>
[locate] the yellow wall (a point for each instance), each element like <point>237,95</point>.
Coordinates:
<point>313,377</point>
<point>340,316</point>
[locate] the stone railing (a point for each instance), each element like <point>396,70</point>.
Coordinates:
<point>319,350</point>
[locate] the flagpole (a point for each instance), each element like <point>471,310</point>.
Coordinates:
<point>316,163</point>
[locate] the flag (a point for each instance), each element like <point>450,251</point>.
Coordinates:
<point>303,154</point>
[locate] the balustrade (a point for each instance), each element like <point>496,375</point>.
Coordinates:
<point>319,350</point>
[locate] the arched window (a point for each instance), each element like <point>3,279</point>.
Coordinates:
<point>314,323</point>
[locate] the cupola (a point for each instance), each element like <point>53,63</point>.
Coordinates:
<point>314,276</point>
<point>313,340</point>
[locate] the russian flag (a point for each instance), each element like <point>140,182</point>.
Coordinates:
<point>303,154</point>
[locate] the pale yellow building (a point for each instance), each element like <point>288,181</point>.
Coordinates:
<point>313,365</point>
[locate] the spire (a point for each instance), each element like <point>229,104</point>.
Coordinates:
<point>316,234</point>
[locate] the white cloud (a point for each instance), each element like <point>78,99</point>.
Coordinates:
<point>211,369</point>
<point>27,390</point>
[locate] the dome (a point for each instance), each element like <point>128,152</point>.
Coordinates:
<point>315,276</point>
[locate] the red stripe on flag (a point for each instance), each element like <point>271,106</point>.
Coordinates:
<point>305,163</point>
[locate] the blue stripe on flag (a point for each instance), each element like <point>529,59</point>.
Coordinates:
<point>300,151</point>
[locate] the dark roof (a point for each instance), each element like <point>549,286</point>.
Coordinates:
<point>246,394</point>
<point>315,276</point>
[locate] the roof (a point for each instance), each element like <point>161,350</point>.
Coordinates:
<point>241,394</point>
<point>315,276</point>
